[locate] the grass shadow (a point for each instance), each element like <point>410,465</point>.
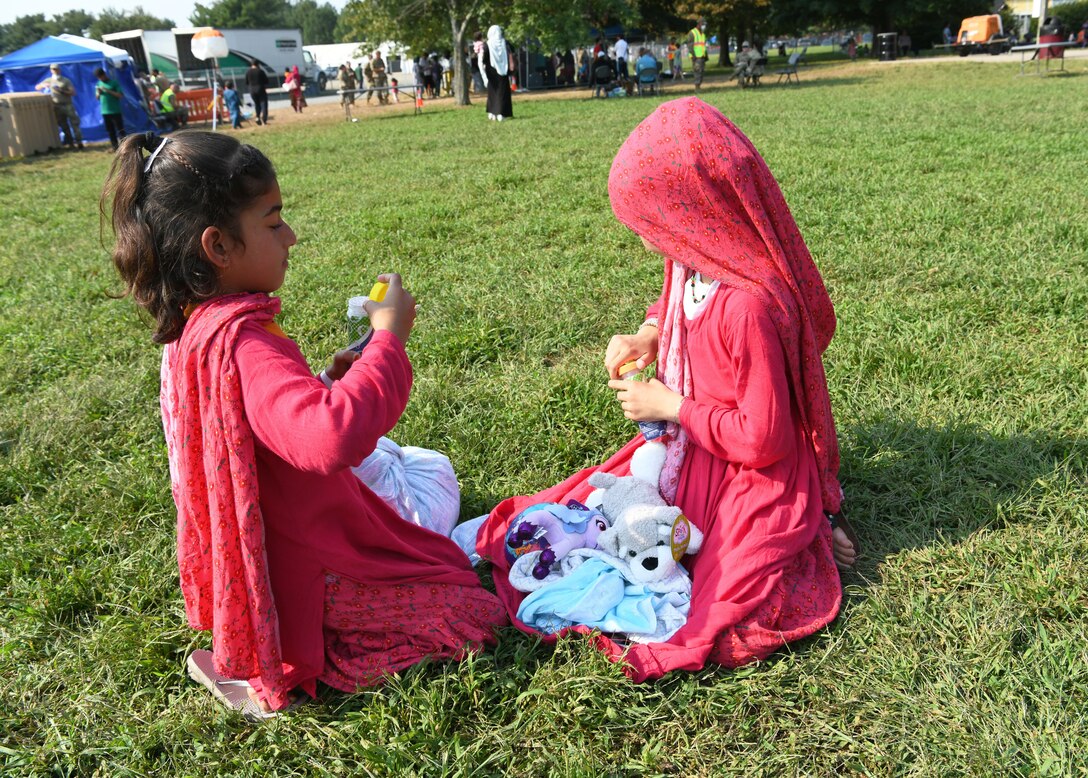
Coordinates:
<point>909,486</point>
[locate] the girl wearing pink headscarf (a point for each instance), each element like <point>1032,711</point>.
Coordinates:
<point>737,334</point>
<point>292,84</point>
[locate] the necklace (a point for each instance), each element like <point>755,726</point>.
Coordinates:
<point>698,298</point>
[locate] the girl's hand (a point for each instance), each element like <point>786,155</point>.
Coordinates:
<point>647,401</point>
<point>341,361</point>
<point>397,312</point>
<point>641,347</point>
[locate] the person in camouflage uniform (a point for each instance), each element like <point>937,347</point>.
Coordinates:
<point>377,79</point>
<point>347,91</point>
<point>62,90</point>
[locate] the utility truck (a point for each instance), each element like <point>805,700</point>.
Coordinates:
<point>170,52</point>
<point>981,35</point>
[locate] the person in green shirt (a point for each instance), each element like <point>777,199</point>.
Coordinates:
<point>108,92</point>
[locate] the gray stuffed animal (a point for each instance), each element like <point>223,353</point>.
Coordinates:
<point>647,534</point>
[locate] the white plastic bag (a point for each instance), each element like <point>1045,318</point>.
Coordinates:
<point>417,483</point>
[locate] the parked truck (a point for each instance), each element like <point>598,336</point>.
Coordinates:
<point>170,51</point>
<point>981,35</point>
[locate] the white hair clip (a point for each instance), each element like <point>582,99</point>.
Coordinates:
<point>155,153</point>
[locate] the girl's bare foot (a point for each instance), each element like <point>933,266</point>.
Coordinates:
<point>264,706</point>
<point>843,550</point>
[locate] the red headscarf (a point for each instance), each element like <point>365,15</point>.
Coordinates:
<point>689,182</point>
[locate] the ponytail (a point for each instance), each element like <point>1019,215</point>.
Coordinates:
<point>162,193</point>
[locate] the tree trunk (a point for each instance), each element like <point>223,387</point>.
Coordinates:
<point>457,61</point>
<point>723,44</point>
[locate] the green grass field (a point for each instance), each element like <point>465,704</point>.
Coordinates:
<point>945,205</point>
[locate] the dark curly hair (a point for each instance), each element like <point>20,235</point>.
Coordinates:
<point>160,204</point>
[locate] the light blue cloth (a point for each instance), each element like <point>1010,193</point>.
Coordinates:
<point>464,535</point>
<point>597,595</point>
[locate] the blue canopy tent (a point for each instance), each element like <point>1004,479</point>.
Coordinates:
<point>78,58</point>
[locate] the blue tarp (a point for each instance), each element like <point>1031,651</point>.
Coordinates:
<point>23,70</point>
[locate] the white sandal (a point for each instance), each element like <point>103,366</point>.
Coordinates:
<point>234,694</point>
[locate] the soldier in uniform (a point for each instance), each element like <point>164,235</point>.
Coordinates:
<point>747,69</point>
<point>379,81</point>
<point>697,43</point>
<point>347,91</point>
<point>62,90</point>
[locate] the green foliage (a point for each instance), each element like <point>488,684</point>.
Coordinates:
<point>112,20</point>
<point>24,31</point>
<point>559,26</point>
<point>1073,14</point>
<point>31,29</point>
<point>421,26</point>
<point>242,14</point>
<point>957,374</point>
<point>317,22</point>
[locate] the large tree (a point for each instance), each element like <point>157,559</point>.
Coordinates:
<point>113,20</point>
<point>445,25</point>
<point>563,25</point>
<point>726,18</point>
<point>24,31</point>
<point>422,25</point>
<point>244,14</point>
<point>317,22</point>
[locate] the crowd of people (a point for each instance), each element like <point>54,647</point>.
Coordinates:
<point>610,67</point>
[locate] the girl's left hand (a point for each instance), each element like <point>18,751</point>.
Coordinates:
<point>647,401</point>
<point>341,361</point>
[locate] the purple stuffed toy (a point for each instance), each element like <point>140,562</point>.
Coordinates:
<point>551,531</point>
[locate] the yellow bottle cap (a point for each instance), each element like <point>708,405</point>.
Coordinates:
<point>628,367</point>
<point>377,292</point>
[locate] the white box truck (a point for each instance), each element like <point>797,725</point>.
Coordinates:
<point>170,51</point>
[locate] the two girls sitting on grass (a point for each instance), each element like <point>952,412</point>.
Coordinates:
<point>302,574</point>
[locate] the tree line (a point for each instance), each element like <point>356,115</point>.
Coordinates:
<point>319,22</point>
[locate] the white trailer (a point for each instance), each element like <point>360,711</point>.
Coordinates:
<point>273,50</point>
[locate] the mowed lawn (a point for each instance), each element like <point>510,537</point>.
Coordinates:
<point>945,205</point>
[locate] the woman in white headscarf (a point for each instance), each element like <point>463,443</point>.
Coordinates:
<point>495,69</point>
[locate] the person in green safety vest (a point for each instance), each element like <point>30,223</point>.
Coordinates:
<point>175,115</point>
<point>697,44</point>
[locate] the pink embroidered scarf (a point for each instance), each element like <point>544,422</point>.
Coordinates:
<point>213,476</point>
<point>688,181</point>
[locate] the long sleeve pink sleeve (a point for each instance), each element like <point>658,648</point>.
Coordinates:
<point>654,311</point>
<point>313,428</point>
<point>758,430</point>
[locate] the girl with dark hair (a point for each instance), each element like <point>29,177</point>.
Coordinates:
<point>298,569</point>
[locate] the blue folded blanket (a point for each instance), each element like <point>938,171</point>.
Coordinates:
<point>596,594</point>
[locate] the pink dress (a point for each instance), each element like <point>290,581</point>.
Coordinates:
<point>298,569</point>
<point>765,575</point>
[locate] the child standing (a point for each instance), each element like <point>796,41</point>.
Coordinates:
<point>737,335</point>
<point>233,101</point>
<point>292,84</point>
<point>299,570</point>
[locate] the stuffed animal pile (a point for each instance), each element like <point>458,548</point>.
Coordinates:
<point>613,563</point>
